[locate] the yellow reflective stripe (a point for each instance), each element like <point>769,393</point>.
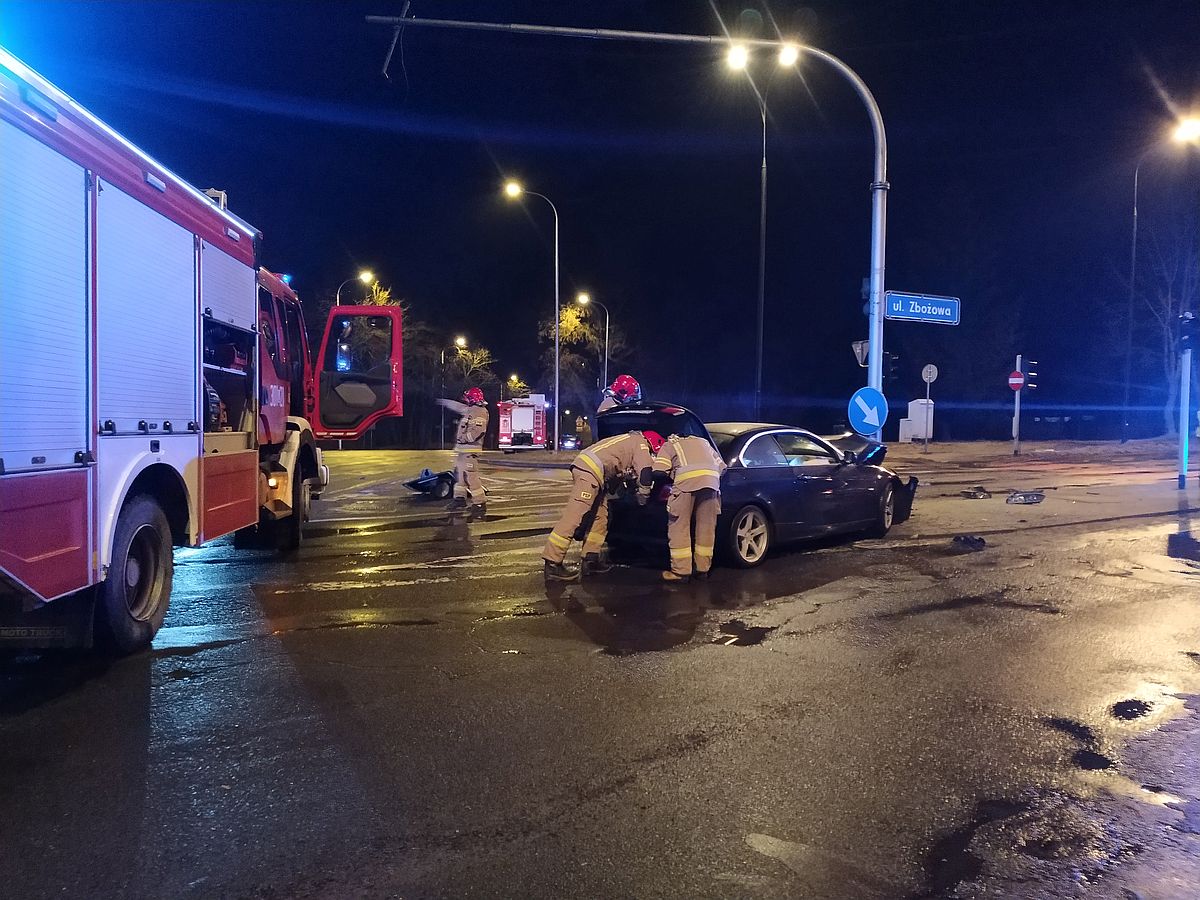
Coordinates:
<point>593,465</point>
<point>559,541</point>
<point>697,473</point>
<point>608,442</point>
<point>661,463</point>
<point>685,553</point>
<point>704,551</point>
<point>679,449</point>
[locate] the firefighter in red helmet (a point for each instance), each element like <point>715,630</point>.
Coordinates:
<point>624,389</point>
<point>468,442</point>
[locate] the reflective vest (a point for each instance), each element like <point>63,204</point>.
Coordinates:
<point>623,456</point>
<point>691,463</point>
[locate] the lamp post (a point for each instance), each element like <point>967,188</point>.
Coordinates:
<point>513,190</point>
<point>460,344</point>
<point>737,58</point>
<point>584,299</point>
<point>366,276</point>
<point>1187,131</point>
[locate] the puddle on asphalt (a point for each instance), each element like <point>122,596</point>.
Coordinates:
<point>951,862</point>
<point>439,521</point>
<point>736,633</point>
<point>1091,761</point>
<point>1131,709</point>
<point>1075,729</point>
<point>994,600</point>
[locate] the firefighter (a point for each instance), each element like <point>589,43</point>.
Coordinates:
<point>624,389</point>
<point>695,469</point>
<point>602,465</point>
<point>468,442</point>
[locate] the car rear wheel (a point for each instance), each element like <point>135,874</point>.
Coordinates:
<point>887,512</point>
<point>749,536</point>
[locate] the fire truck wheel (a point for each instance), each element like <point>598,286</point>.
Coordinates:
<point>290,532</point>
<point>132,601</point>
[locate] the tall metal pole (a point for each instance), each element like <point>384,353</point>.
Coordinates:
<point>1129,311</point>
<point>606,346</point>
<point>879,184</point>
<point>1185,417</point>
<point>762,263</point>
<point>1016,423</point>
<point>442,409</point>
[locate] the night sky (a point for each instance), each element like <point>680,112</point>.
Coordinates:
<point>1013,128</point>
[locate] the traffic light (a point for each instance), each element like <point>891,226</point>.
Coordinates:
<point>891,367</point>
<point>1030,372</point>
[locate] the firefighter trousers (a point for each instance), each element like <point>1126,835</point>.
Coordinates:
<point>586,510</point>
<point>467,483</point>
<point>703,506</point>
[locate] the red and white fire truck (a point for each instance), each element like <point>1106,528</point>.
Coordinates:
<point>522,423</point>
<point>156,388</point>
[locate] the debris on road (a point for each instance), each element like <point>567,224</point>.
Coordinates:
<point>1025,497</point>
<point>971,542</point>
<point>438,485</point>
<point>979,492</point>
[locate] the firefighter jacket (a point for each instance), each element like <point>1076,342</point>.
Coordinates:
<point>691,463</point>
<point>472,424</point>
<point>620,458</point>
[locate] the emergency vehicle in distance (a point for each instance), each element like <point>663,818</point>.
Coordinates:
<point>156,388</point>
<point>522,423</point>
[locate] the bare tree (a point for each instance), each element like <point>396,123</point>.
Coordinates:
<point>1172,286</point>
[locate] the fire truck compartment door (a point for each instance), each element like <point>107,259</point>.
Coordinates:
<point>359,371</point>
<point>45,366</point>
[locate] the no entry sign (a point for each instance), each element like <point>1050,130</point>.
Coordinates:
<point>1016,381</point>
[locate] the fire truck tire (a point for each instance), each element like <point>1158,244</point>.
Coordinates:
<point>132,600</point>
<point>289,532</point>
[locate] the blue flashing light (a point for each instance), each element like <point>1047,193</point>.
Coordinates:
<point>286,279</point>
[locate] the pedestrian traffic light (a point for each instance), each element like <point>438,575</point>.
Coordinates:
<point>891,366</point>
<point>1030,372</point>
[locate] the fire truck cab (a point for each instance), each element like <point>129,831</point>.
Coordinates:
<point>156,388</point>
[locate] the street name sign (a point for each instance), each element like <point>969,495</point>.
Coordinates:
<point>868,410</point>
<point>926,308</point>
<point>1016,381</point>
<point>929,374</point>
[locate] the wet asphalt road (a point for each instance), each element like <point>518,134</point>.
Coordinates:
<point>406,710</point>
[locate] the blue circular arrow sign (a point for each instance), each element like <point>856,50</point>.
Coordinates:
<point>868,410</point>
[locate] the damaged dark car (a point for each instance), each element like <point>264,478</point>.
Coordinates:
<point>784,484</point>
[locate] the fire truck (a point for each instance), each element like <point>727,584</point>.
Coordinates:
<point>522,423</point>
<point>156,387</point>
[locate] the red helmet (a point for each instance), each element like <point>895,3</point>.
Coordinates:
<point>626,388</point>
<point>474,396</point>
<point>653,438</point>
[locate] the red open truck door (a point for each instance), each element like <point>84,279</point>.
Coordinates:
<point>357,375</point>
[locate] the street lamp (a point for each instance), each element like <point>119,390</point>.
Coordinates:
<point>366,276</point>
<point>460,344</point>
<point>1187,131</point>
<point>584,299</point>
<point>514,190</point>
<point>513,381</point>
<point>789,54</point>
<point>738,57</point>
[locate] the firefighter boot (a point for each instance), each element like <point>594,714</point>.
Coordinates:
<point>670,576</point>
<point>559,572</point>
<point>595,564</point>
<point>478,511</point>
<point>456,504</point>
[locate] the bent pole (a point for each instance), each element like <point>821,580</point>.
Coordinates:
<point>879,183</point>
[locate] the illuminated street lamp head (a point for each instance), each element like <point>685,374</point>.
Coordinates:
<point>460,342</point>
<point>1188,131</point>
<point>513,189</point>
<point>788,54</point>
<point>738,57</point>
<point>583,299</point>
<point>513,378</point>
<point>366,276</point>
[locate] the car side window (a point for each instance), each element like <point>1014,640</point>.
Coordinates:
<point>802,450</point>
<point>762,451</point>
